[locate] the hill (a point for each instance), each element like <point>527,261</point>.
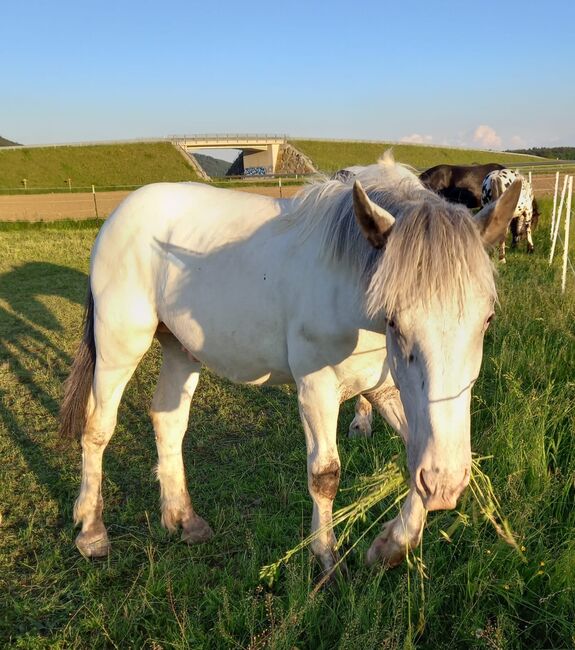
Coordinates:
<point>110,165</point>
<point>557,153</point>
<point>329,156</point>
<point>129,165</point>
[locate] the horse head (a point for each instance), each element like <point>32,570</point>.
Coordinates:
<point>434,287</point>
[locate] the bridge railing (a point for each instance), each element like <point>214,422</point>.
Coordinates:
<point>230,138</point>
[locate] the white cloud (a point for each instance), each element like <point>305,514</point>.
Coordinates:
<point>517,142</point>
<point>416,138</point>
<point>486,137</point>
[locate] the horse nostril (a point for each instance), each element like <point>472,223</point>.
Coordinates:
<point>423,485</point>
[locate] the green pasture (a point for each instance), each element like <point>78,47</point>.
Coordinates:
<point>114,165</point>
<point>119,166</point>
<point>329,156</point>
<point>245,461</point>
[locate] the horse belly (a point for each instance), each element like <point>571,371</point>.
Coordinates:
<point>233,326</point>
<point>250,355</point>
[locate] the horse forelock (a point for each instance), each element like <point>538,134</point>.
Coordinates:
<point>434,254</point>
<point>434,250</point>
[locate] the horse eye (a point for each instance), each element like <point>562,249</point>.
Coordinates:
<point>391,323</point>
<point>488,321</point>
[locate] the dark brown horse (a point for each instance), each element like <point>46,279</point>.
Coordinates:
<point>458,183</point>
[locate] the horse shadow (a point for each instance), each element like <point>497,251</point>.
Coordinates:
<point>34,362</point>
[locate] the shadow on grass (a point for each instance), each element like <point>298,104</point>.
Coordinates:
<point>26,347</point>
<point>34,360</point>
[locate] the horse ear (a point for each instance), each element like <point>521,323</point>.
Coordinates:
<point>375,222</point>
<point>494,218</point>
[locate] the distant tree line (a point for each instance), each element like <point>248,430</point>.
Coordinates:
<point>563,153</point>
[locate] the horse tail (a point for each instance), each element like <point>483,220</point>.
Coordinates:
<point>78,386</point>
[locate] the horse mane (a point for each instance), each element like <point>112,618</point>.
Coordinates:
<point>433,252</point>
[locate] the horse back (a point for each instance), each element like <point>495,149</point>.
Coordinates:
<point>458,183</point>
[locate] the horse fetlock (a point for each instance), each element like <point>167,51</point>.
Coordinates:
<point>360,426</point>
<point>332,566</point>
<point>88,509</point>
<point>326,481</point>
<point>326,553</point>
<point>175,514</point>
<point>93,541</point>
<point>391,546</point>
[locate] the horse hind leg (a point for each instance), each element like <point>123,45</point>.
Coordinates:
<point>170,410</point>
<point>360,426</point>
<point>116,359</point>
<point>388,403</point>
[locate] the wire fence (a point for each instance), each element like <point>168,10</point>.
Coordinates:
<point>82,202</point>
<point>51,206</point>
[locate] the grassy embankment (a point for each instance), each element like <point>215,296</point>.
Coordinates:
<point>329,156</point>
<point>245,461</point>
<point>126,166</point>
<point>117,166</point>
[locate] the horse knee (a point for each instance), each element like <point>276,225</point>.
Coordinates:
<point>326,481</point>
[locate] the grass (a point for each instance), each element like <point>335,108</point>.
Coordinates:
<point>245,461</point>
<point>127,166</point>
<point>105,166</point>
<point>329,156</point>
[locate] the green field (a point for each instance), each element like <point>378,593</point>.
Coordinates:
<point>114,166</point>
<point>245,460</point>
<point>329,156</point>
<point>118,166</point>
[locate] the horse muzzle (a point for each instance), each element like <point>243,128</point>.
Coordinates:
<point>437,489</point>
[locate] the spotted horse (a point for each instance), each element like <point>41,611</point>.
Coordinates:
<point>526,213</point>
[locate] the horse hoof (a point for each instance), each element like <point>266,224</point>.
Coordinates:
<point>530,251</point>
<point>93,543</point>
<point>359,429</point>
<point>197,531</point>
<point>385,550</point>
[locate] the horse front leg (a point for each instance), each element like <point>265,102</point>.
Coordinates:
<point>502,259</point>
<point>404,532</point>
<point>318,399</point>
<point>530,247</point>
<point>399,535</point>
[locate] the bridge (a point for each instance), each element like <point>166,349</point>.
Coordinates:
<point>258,150</point>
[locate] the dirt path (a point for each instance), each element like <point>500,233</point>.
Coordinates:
<point>51,207</point>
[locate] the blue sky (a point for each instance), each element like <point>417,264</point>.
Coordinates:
<point>492,75</point>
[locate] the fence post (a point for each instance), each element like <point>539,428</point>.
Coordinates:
<point>95,202</point>
<point>566,244</point>
<point>558,219</point>
<point>554,205</point>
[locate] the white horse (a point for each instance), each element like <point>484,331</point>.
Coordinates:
<point>342,291</point>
